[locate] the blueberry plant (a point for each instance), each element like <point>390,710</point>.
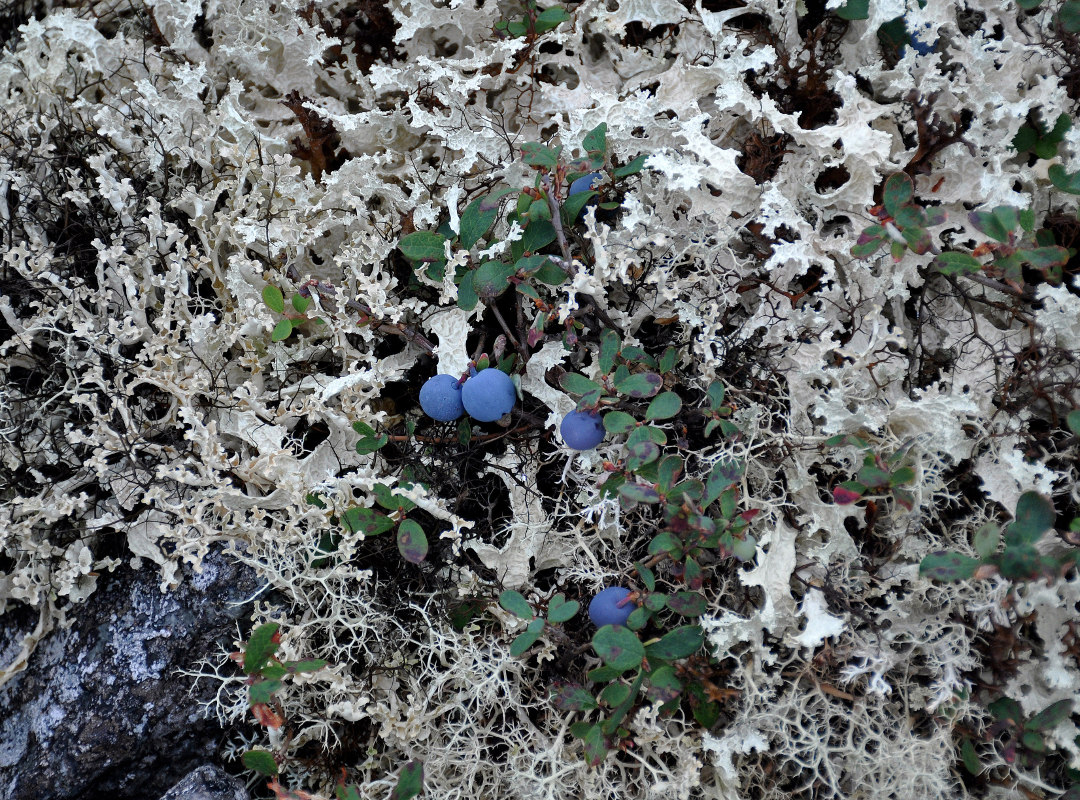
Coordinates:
<point>265,675</point>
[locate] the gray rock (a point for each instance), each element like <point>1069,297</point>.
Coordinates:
<point>99,712</point>
<point>208,782</point>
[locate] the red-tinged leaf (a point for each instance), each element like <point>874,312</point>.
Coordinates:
<point>848,492</point>
<point>266,716</point>
<point>262,645</point>
<point>988,223</point>
<point>573,698</point>
<point>282,793</point>
<point>412,541</point>
<point>410,782</point>
<point>898,192</point>
<point>749,514</point>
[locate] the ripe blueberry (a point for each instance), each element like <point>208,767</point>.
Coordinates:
<point>488,395</point>
<point>440,397</point>
<point>582,430</point>
<point>604,609</point>
<point>585,183</point>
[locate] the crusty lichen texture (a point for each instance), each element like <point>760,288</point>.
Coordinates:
<point>161,164</point>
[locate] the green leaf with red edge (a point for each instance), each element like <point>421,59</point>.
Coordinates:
<point>988,223</point>
<point>639,493</point>
<point>618,647</point>
<point>898,192</point>
<point>594,741</point>
<point>640,385</point>
<point>641,453</point>
<point>872,476</point>
<point>948,567</point>
<point>410,782</point>
<point>848,492</point>
<point>688,604</point>
<point>869,241</point>
<point>918,239</point>
<point>911,216</point>
<point>260,647</point>
<point>571,697</point>
<point>412,542</point>
<point>664,685</point>
<point>260,761</point>
<point>953,263</point>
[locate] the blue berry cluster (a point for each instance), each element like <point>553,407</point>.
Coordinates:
<point>486,396</point>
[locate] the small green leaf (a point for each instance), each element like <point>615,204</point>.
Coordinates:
<point>282,330</point>
<point>633,168</point>
<point>948,567</point>
<point>898,192</point>
<point>260,761</point>
<point>724,474</point>
<point>953,263</point>
<point>412,542</point>
<point>1051,716</point>
<point>664,406</point>
<point>537,155</point>
<point>594,741</point>
<point>410,782</point>
<point>516,604</point>
<point>273,298</point>
<point>308,665</point>
<point>619,422</point>
<point>664,685</point>
<point>367,521</point>
<point>614,694</point>
<point>688,604</point>
<point>609,350</point>
<point>423,247</point>
<point>639,493</point>
<point>538,235</point>
<point>578,384</point>
<point>640,385</point>
<point>641,453</point>
<point>1033,741</point>
<point>618,647</point>
<point>679,643</point>
<point>491,278</point>
<point>648,577</point>
<point>668,360</point>
<point>573,698</point>
<point>854,9</point>
<point>370,444</point>
<point>527,639</point>
<point>363,429</point>
<point>260,647</point>
<point>1034,517</point>
<point>1064,181</point>
<point>1069,16</point>
<point>466,295</point>
<point>478,217</point>
<point>666,542</point>
<point>262,691</point>
<point>970,757</point>
<point>596,139</point>
<point>300,303</point>
<point>987,539</point>
<point>561,610</point>
<point>1073,421</point>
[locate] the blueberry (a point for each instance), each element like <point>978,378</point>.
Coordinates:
<point>582,430</point>
<point>585,183</point>
<point>440,397</point>
<point>488,395</point>
<point>605,609</point>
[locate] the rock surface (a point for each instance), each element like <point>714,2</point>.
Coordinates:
<point>99,712</point>
<point>207,783</point>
